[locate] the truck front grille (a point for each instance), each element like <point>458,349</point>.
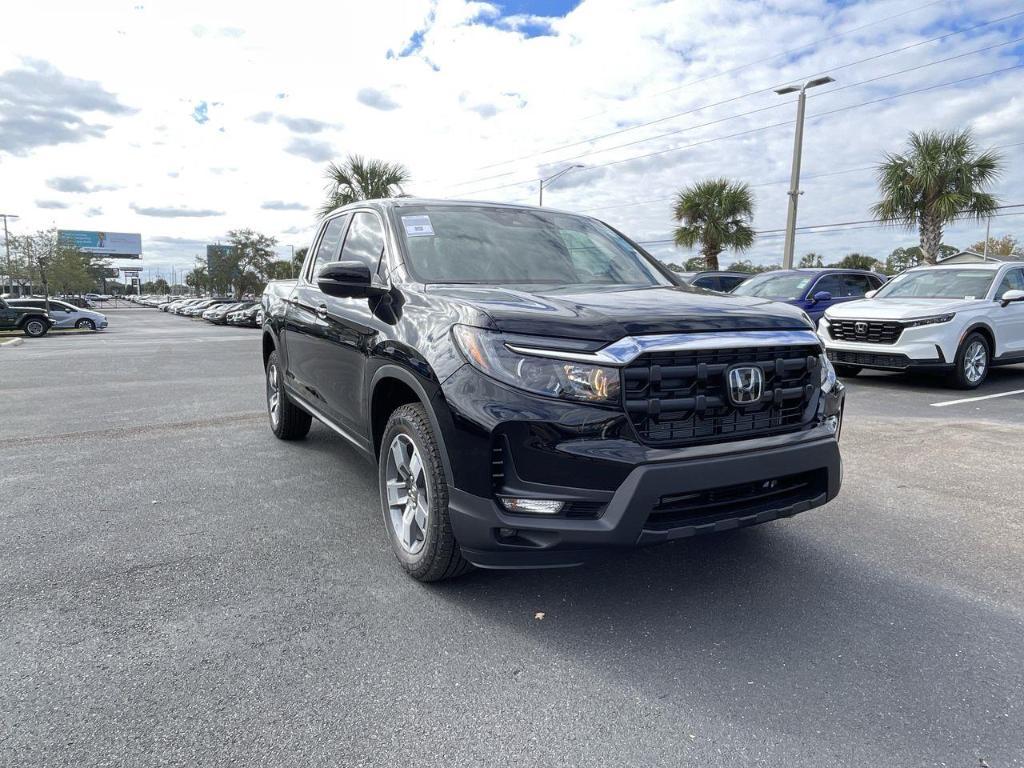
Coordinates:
<point>681,398</point>
<point>869,331</point>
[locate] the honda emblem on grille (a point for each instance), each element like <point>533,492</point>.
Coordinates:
<point>860,328</point>
<point>746,384</point>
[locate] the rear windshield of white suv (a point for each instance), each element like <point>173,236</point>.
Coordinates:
<point>939,284</point>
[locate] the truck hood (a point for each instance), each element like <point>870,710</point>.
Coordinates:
<point>898,309</point>
<point>608,314</point>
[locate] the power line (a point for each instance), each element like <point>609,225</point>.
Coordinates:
<point>846,225</point>
<point>777,105</point>
<point>763,127</point>
<point>753,186</point>
<point>745,95</point>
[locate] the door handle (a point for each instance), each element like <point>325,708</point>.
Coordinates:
<point>321,311</point>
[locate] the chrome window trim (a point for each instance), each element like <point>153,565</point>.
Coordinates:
<point>627,349</point>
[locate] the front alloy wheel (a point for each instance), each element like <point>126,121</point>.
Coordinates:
<point>86,324</point>
<point>408,494</point>
<point>972,362</point>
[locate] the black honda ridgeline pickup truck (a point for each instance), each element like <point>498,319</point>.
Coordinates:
<point>536,389</point>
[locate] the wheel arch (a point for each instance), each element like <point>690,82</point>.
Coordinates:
<point>269,345</point>
<point>392,386</point>
<point>986,331</point>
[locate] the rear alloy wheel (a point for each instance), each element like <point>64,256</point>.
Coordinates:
<point>414,498</point>
<point>287,420</point>
<point>86,324</point>
<point>35,327</point>
<point>972,362</point>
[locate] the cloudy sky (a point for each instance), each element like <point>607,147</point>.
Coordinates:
<point>182,120</point>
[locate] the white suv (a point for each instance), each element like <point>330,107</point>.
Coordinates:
<point>957,318</point>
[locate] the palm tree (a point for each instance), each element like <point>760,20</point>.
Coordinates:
<point>940,177</point>
<point>361,179</point>
<point>716,213</point>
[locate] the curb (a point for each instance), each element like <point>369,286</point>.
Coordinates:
<point>12,343</point>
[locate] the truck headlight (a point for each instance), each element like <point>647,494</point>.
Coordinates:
<point>486,351</point>
<point>828,374</point>
<point>928,320</point>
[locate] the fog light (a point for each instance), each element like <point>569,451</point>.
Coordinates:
<point>532,506</point>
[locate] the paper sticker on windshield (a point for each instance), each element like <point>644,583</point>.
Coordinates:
<point>417,226</point>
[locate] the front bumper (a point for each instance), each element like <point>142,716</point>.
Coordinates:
<point>917,348</point>
<point>619,492</point>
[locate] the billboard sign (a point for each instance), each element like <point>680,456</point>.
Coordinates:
<point>119,245</point>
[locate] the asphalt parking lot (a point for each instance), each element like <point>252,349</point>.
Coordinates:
<point>180,588</point>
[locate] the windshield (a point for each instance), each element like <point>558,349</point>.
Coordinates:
<point>485,245</point>
<point>939,284</point>
<point>785,285</point>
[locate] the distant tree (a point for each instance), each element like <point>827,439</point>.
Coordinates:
<point>1007,245</point>
<point>856,261</point>
<point>281,270</point>
<point>359,178</point>
<point>198,279</point>
<point>811,260</point>
<point>749,267</point>
<point>249,260</point>
<point>716,215</point>
<point>299,258</point>
<point>40,258</point>
<point>160,286</point>
<point>940,178</point>
<point>905,258</point>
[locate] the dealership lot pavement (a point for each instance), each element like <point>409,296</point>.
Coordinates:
<point>180,588</point>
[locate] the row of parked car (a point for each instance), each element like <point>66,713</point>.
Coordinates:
<point>813,290</point>
<point>220,310</point>
<point>37,316</point>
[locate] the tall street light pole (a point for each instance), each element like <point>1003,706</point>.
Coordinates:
<point>7,249</point>
<point>549,179</point>
<point>794,179</point>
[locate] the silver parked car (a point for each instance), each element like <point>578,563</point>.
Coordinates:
<point>66,315</point>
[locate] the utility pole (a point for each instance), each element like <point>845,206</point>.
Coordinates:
<point>988,227</point>
<point>794,179</point>
<point>293,260</point>
<point>549,179</point>
<point>7,247</point>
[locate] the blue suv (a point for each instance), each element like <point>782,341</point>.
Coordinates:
<point>813,290</point>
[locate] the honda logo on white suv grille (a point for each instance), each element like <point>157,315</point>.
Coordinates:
<point>746,384</point>
<point>860,328</point>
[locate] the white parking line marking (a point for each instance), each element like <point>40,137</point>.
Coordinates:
<point>975,399</point>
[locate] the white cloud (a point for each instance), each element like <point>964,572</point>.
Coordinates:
<point>476,103</point>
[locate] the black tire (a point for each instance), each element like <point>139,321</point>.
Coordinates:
<point>287,420</point>
<point>965,376</point>
<point>86,324</point>
<point>35,327</point>
<point>847,370</point>
<point>439,556</point>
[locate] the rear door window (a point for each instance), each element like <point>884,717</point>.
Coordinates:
<point>856,285</point>
<point>710,282</point>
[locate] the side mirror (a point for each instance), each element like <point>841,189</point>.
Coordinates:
<point>1011,296</point>
<point>870,294</point>
<point>821,296</point>
<point>348,279</point>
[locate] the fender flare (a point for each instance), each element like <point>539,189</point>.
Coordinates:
<point>979,325</point>
<point>394,371</point>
